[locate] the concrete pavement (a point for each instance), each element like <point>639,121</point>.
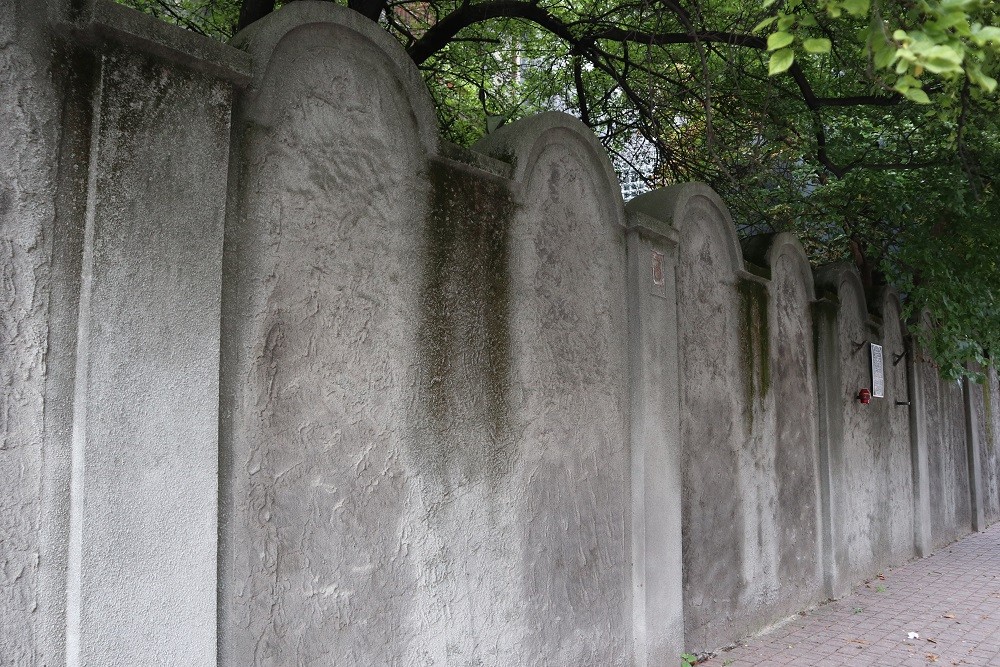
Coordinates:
<point>950,599</point>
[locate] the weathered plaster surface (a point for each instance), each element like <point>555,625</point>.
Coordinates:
<point>899,507</point>
<point>28,143</point>
<point>323,271</point>
<point>796,501</point>
<point>142,566</point>
<point>451,431</point>
<point>715,428</point>
<point>425,461</point>
<point>951,512</point>
<point>570,400</point>
<point>751,490</point>
<point>874,500</point>
<point>988,419</point>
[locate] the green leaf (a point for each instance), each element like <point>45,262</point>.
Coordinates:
<point>817,45</point>
<point>763,24</point>
<point>780,61</point>
<point>885,56</point>
<point>917,95</point>
<point>779,40</point>
<point>856,7</point>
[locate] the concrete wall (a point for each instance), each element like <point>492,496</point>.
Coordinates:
<point>871,500</point>
<point>295,381</point>
<point>112,238</point>
<point>29,142</point>
<point>427,414</point>
<point>988,421</point>
<point>751,491</point>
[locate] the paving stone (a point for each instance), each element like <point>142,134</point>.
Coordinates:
<point>951,598</point>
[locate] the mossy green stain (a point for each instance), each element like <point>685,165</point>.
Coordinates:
<point>755,342</point>
<point>466,306</point>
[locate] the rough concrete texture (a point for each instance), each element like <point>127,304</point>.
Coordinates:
<point>751,490</point>
<point>142,554</point>
<point>989,443</point>
<point>796,502</point>
<point>948,465</point>
<point>467,417</point>
<point>718,409</point>
<point>320,557</point>
<point>425,458</point>
<point>655,477</point>
<point>872,501</point>
<point>28,157</point>
<point>570,395</point>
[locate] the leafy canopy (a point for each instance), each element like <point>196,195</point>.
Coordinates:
<point>869,128</point>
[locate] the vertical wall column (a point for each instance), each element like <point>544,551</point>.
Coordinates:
<point>657,603</point>
<point>831,443</point>
<point>918,454</point>
<point>141,580</point>
<point>976,496</point>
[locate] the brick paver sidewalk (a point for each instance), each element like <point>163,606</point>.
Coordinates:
<point>952,599</point>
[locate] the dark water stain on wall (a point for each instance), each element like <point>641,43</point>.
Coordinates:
<point>463,336</point>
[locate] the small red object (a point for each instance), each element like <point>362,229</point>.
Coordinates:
<point>865,396</point>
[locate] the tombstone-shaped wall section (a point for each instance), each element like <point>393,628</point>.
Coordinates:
<point>988,421</point>
<point>795,457</point>
<point>321,304</point>
<point>425,372</point>
<point>569,400</point>
<point>871,497</point>
<point>947,456</point>
<point>751,491</point>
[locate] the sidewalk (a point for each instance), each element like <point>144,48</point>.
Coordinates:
<point>952,599</point>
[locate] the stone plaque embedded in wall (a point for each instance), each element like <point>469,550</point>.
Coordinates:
<point>878,374</point>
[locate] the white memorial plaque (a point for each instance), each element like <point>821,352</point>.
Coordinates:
<point>878,372</point>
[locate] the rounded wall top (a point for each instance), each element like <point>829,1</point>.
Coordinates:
<point>768,249</point>
<point>674,205</point>
<point>521,143</point>
<point>841,276</point>
<point>889,306</point>
<point>262,38</point>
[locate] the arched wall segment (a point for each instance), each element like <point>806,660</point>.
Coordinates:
<point>695,203</point>
<point>751,491</point>
<point>261,40</point>
<point>523,144</point>
<point>569,385</point>
<point>426,372</point>
<point>872,522</point>
<point>322,266</point>
<point>797,497</point>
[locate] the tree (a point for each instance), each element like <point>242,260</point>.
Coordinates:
<point>870,129</point>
